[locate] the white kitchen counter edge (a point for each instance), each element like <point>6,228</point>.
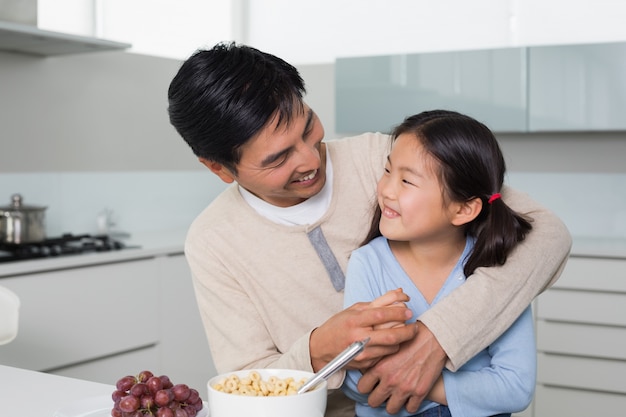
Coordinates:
<point>149,245</point>
<point>36,394</point>
<point>171,242</point>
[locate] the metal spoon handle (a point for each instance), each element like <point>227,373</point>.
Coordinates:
<point>336,364</point>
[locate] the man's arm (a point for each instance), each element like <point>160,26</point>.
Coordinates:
<point>475,314</point>
<point>479,311</point>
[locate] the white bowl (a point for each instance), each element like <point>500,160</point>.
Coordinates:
<point>308,404</point>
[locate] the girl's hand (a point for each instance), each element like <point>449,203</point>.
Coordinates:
<point>394,298</point>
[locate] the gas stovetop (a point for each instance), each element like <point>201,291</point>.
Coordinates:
<point>67,244</point>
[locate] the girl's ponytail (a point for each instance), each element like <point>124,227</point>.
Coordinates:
<point>499,232</point>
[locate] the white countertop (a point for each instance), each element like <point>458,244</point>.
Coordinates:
<point>140,245</point>
<point>27,393</point>
<point>169,242</point>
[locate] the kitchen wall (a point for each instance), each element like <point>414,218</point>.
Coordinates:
<point>89,132</point>
<point>581,176</point>
<point>85,133</point>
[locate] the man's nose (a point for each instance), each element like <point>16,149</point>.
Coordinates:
<point>308,156</point>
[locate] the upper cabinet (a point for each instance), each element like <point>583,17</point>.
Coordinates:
<point>376,93</point>
<point>547,88</point>
<point>577,87</point>
<point>28,39</point>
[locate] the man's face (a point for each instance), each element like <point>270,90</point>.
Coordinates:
<point>283,166</point>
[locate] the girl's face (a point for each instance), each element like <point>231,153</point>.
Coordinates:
<point>410,195</point>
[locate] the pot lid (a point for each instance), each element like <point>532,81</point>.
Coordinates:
<point>18,205</point>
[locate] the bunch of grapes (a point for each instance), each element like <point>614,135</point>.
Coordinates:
<point>149,395</point>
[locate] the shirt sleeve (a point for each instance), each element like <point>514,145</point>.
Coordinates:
<point>493,298</point>
<point>357,289</point>
<point>507,385</point>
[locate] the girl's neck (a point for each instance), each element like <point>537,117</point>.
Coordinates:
<point>428,264</point>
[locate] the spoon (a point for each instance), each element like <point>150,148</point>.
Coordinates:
<point>333,366</point>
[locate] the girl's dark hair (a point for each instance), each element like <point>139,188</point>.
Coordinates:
<point>470,165</point>
<point>220,98</point>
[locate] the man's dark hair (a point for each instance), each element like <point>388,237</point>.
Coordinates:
<point>221,97</point>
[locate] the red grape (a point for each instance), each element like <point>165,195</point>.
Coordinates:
<point>129,404</point>
<point>154,396</point>
<point>154,384</point>
<point>166,381</point>
<point>180,412</point>
<point>125,383</point>
<point>181,392</point>
<point>143,376</point>
<point>194,396</point>
<point>147,402</point>
<point>118,395</point>
<point>139,389</point>
<point>164,412</point>
<point>163,397</point>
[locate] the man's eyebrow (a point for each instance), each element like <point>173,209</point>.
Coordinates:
<point>270,159</point>
<point>309,122</point>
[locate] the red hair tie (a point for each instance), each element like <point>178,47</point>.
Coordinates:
<point>494,197</point>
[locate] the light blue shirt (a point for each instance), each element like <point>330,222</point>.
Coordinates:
<point>499,379</point>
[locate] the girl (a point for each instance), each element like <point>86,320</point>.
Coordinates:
<point>441,216</point>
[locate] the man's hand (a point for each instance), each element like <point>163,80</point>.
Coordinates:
<point>358,322</point>
<point>407,376</point>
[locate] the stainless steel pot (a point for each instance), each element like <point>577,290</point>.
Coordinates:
<point>22,224</point>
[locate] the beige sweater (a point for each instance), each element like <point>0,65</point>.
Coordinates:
<point>261,287</point>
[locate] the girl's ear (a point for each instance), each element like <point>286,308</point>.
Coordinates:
<point>219,170</point>
<point>467,211</point>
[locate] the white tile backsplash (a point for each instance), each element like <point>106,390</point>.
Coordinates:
<point>138,201</point>
<point>590,204</point>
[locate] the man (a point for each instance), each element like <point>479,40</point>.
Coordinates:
<point>268,255</point>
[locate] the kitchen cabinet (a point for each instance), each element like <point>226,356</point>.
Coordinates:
<point>28,39</point>
<point>581,340</point>
<point>577,87</point>
<point>71,317</point>
<point>99,321</point>
<point>376,93</point>
<point>184,349</point>
<point>557,88</point>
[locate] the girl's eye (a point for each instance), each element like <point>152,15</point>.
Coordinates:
<point>407,182</point>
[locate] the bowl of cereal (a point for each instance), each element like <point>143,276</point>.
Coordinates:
<point>265,393</point>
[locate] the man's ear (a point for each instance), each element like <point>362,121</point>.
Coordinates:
<point>219,170</point>
<point>467,211</point>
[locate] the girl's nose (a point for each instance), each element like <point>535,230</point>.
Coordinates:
<point>385,189</point>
